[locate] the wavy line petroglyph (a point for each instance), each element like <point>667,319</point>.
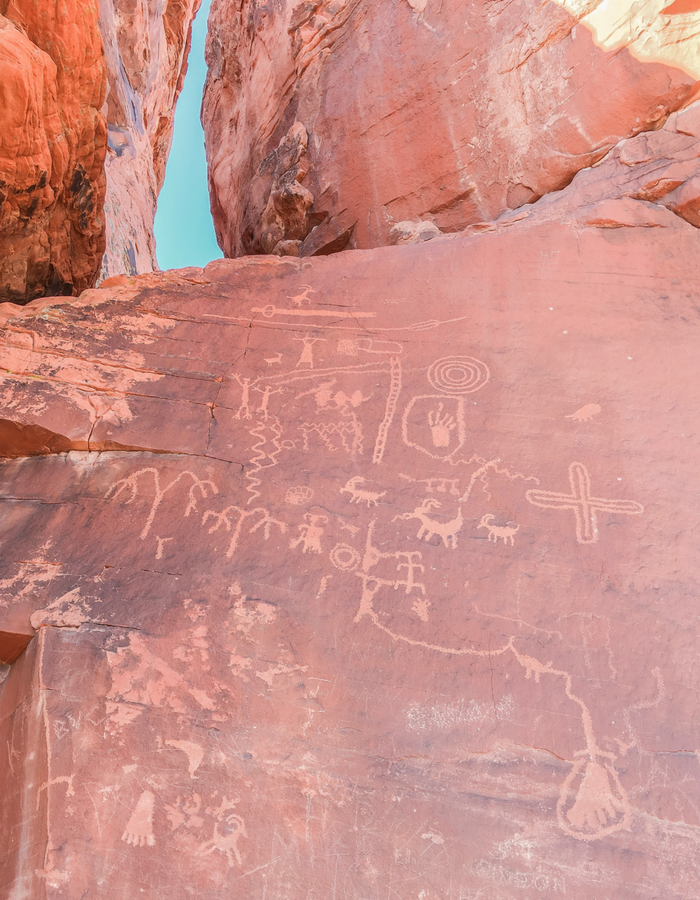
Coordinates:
<point>584,505</point>
<point>347,429</point>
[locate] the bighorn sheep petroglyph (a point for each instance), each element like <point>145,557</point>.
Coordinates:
<point>358,495</point>
<point>448,531</point>
<point>507,532</point>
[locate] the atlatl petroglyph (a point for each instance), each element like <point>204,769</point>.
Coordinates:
<point>131,483</point>
<point>584,505</point>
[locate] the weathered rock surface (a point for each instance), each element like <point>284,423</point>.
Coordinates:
<point>52,148</point>
<point>359,576</point>
<point>79,174</point>
<point>146,48</point>
<point>421,111</point>
<point>660,168</point>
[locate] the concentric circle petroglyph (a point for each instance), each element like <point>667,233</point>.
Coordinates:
<point>458,375</point>
<point>344,557</point>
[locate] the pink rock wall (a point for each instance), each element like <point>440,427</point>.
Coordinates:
<point>367,574</point>
<point>346,123</point>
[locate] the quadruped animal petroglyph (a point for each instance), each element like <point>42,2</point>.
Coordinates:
<point>354,533</point>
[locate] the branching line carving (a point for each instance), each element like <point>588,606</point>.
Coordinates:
<point>131,484</point>
<point>226,516</point>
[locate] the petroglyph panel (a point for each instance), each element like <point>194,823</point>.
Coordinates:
<point>382,615</point>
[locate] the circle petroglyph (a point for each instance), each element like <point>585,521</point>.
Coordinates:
<point>345,557</point>
<point>299,495</point>
<point>458,375</point>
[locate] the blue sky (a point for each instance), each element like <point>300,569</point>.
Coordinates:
<point>184,229</point>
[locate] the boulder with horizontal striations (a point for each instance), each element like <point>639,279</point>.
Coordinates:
<point>423,111</point>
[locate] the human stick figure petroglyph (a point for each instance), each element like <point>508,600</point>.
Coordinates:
<point>360,495</point>
<point>131,483</point>
<point>506,532</point>
<point>224,518</point>
<point>307,353</point>
<point>584,505</point>
<point>391,366</point>
<point>447,531</point>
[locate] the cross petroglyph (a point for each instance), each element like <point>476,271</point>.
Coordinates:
<point>584,505</point>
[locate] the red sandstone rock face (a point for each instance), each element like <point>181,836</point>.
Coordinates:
<point>79,175</point>
<point>52,148</point>
<point>146,47</point>
<point>346,123</point>
<point>365,575</point>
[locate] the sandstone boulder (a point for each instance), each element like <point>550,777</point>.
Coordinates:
<point>88,99</point>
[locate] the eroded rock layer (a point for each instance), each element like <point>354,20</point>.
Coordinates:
<point>347,123</point>
<point>363,575</point>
